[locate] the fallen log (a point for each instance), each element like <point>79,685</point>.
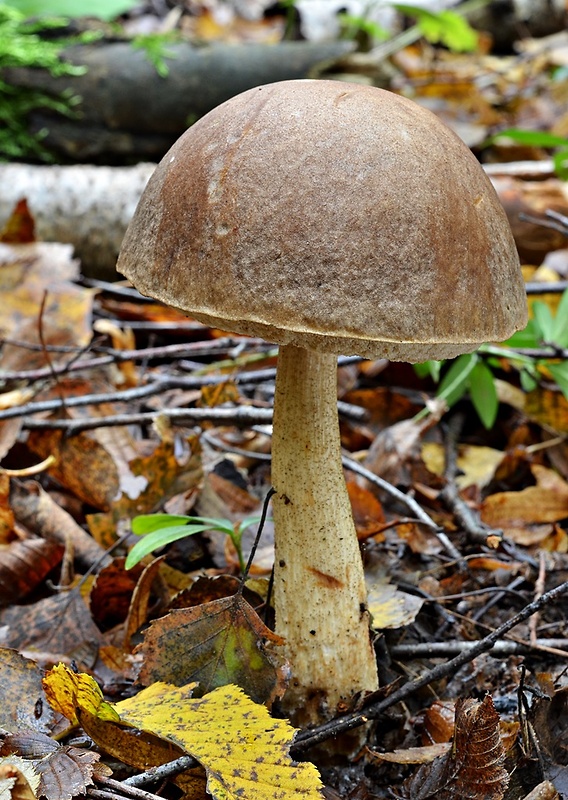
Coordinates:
<point>128,113</point>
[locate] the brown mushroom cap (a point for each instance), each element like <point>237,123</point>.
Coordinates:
<point>331,216</point>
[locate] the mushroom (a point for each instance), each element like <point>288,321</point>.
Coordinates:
<point>330,218</point>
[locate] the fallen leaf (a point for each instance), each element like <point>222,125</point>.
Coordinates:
<point>64,771</point>
<point>389,607</point>
<point>216,643</point>
<point>60,626</point>
<point>23,701</point>
<point>244,751</point>
<point>18,779</point>
<point>544,503</point>
<point>24,565</point>
<point>473,768</point>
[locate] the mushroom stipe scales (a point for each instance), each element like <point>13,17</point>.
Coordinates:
<point>330,218</point>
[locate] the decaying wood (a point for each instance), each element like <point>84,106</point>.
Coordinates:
<point>128,111</point>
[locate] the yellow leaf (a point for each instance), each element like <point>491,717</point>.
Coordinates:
<point>390,608</point>
<point>477,464</point>
<point>67,691</point>
<point>244,750</point>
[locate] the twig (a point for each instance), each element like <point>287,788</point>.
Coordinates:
<point>309,738</point>
<point>241,416</point>
<point>500,648</point>
<point>538,591</point>
<point>476,530</point>
<point>163,772</point>
<point>110,355</point>
<point>127,789</point>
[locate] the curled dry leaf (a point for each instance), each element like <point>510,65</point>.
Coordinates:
<point>18,779</point>
<point>63,771</point>
<point>474,766</point>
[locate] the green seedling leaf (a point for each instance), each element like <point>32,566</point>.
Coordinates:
<point>531,138</point>
<point>160,538</point>
<point>455,382</point>
<point>529,337</point>
<point>560,161</point>
<point>102,9</point>
<point>444,27</point>
<point>429,369</point>
<point>544,321</point>
<point>560,374</point>
<point>483,394</point>
<point>559,334</point>
<point>528,381</point>
<point>148,523</point>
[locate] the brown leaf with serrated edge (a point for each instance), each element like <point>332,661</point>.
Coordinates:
<point>214,644</point>
<point>24,565</point>
<point>473,768</point>
<point>60,626</point>
<point>64,771</point>
<point>23,700</point>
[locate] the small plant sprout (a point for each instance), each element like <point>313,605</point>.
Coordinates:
<point>160,530</point>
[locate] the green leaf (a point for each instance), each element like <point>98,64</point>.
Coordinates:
<point>560,162</point>
<point>148,523</point>
<point>455,382</point>
<point>102,9</point>
<point>429,369</point>
<point>444,27</point>
<point>559,334</point>
<point>529,337</point>
<point>532,138</point>
<point>484,394</point>
<point>528,381</point>
<point>544,321</point>
<point>560,374</point>
<point>160,538</point>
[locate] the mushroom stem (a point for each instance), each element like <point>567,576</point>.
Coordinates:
<point>319,586</point>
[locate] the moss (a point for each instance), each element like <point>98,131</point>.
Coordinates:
<point>22,45</point>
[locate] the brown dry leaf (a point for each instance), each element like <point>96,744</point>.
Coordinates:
<point>60,626</point>
<point>367,511</point>
<point>64,771</point>
<point>23,703</point>
<point>83,466</point>
<point>111,594</point>
<point>474,766</point>
<point>18,779</point>
<point>6,514</point>
<point>214,644</point>
<point>549,718</point>
<point>544,503</point>
<point>20,226</point>
<point>33,275</point>
<point>412,755</point>
<point>140,601</point>
<point>24,565</point>
<point>439,722</point>
<point>548,407</point>
<point>165,475</point>
<point>10,428</point>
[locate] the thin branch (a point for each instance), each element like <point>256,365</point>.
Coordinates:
<point>500,648</point>
<point>163,772</point>
<point>309,738</point>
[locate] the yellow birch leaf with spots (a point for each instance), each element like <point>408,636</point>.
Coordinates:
<point>244,751</point>
<point>66,691</point>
